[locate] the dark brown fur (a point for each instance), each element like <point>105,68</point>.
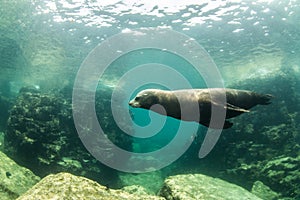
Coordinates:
<point>188,104</point>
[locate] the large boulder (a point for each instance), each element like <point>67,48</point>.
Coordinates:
<point>68,186</point>
<point>39,130</point>
<point>15,180</point>
<point>41,135</point>
<point>198,186</point>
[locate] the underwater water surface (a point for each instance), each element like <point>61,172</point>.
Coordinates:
<point>255,45</point>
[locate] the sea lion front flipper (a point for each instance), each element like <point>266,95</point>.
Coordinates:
<point>232,111</point>
<point>233,108</point>
<point>229,107</point>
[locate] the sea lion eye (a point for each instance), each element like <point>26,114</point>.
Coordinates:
<point>137,98</point>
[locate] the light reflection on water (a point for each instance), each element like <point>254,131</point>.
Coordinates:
<point>237,34</point>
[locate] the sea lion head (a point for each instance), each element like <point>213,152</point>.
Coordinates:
<point>145,99</point>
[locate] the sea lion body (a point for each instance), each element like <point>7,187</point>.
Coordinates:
<point>197,104</point>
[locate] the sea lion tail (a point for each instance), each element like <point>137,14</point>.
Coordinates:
<point>264,99</point>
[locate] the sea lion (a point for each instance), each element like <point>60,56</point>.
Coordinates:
<point>191,100</point>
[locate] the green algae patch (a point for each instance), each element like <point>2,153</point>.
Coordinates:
<point>15,180</point>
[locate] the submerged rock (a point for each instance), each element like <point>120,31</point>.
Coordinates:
<point>151,181</point>
<point>263,191</point>
<point>136,190</point>
<point>15,180</point>
<point>198,186</point>
<point>283,174</point>
<point>41,135</point>
<point>38,130</point>
<point>68,186</point>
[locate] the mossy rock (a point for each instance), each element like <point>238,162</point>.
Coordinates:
<point>68,186</point>
<point>263,191</point>
<point>15,180</point>
<point>198,187</point>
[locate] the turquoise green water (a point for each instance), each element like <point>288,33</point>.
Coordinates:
<point>255,46</point>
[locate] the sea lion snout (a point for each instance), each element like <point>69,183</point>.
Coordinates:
<point>144,99</point>
<point>134,104</point>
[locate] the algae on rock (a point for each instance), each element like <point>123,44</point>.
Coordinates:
<point>15,180</point>
<point>201,187</point>
<point>263,191</point>
<point>68,186</point>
